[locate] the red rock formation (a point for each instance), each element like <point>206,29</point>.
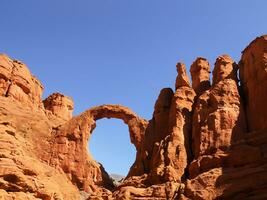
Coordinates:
<point>218,113</point>
<point>25,133</point>
<point>196,146</point>
<point>59,105</point>
<point>225,68</point>
<point>154,142</point>
<point>200,73</point>
<point>178,148</point>
<point>218,122</point>
<point>70,151</point>
<point>182,79</point>
<point>253,76</point>
<point>17,82</point>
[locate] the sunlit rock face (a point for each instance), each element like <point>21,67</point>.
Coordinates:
<point>205,141</point>
<point>59,105</point>
<point>17,82</point>
<point>253,76</point>
<point>219,116</point>
<point>200,73</point>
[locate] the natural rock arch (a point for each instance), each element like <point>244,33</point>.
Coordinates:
<point>70,151</point>
<point>135,124</point>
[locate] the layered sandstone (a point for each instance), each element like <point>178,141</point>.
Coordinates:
<point>25,135</point>
<point>59,105</point>
<point>17,82</point>
<point>207,141</point>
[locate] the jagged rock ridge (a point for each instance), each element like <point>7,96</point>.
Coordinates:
<point>208,141</point>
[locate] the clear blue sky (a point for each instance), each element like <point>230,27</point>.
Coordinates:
<point>122,51</point>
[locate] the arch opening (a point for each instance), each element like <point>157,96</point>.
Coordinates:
<point>110,145</point>
<point>71,145</point>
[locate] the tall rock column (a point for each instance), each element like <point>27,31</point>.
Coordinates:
<point>153,147</point>
<point>200,73</point>
<point>166,144</point>
<point>253,76</point>
<point>218,117</point>
<point>178,148</point>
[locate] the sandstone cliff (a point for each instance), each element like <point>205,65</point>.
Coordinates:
<point>205,141</point>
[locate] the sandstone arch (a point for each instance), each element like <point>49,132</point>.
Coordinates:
<point>136,124</point>
<point>69,147</point>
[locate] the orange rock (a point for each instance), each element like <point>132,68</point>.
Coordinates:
<point>154,144</point>
<point>218,114</point>
<point>24,145</point>
<point>200,73</point>
<point>17,82</point>
<point>177,153</point>
<point>224,68</point>
<point>196,146</point>
<point>71,153</point>
<point>166,142</point>
<point>6,65</point>
<point>253,76</point>
<point>182,79</point>
<point>59,105</point>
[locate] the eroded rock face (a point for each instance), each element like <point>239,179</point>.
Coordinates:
<point>253,76</point>
<point>17,82</point>
<point>25,134</point>
<point>153,147</point>
<point>179,129</point>
<point>59,105</point>
<point>182,78</point>
<point>218,114</point>
<point>200,73</point>
<point>203,142</point>
<point>225,68</point>
<point>71,153</point>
